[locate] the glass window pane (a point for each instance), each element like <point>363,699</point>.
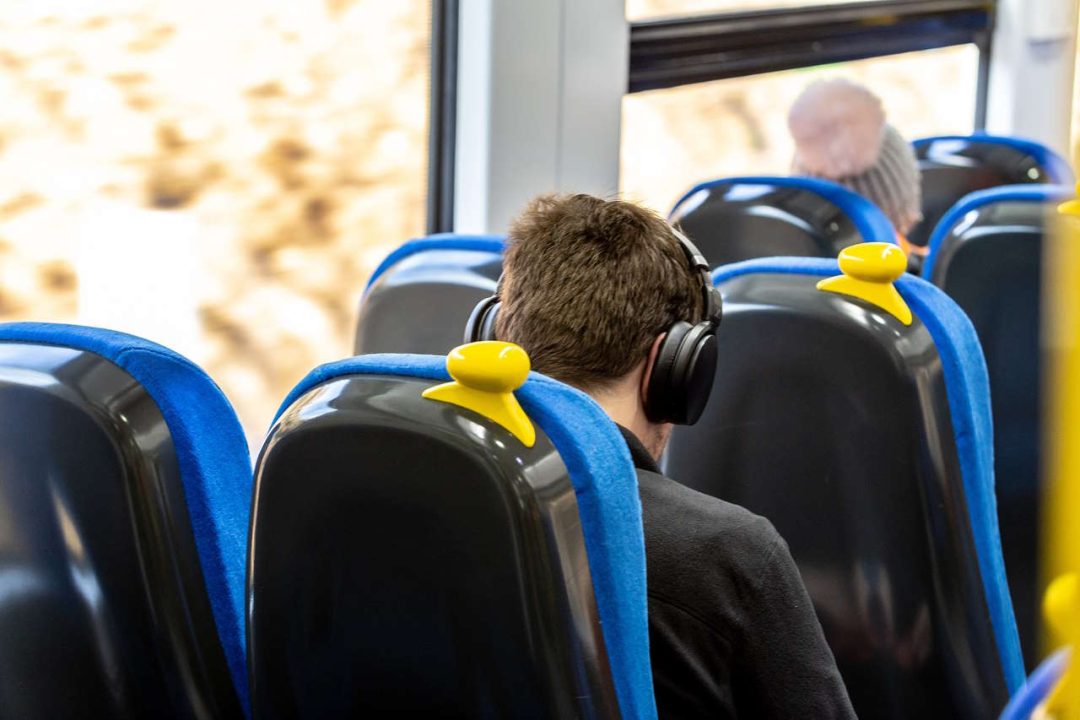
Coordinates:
<point>219,176</point>
<point>653,9</point>
<point>676,137</point>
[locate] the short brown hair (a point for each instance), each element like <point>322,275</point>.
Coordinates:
<point>588,284</point>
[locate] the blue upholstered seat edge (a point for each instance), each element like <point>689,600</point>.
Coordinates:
<point>981,198</point>
<point>968,389</point>
<point>442,241</point>
<point>1055,166</point>
<point>212,453</point>
<point>870,221</point>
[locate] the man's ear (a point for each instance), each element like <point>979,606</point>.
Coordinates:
<point>650,362</point>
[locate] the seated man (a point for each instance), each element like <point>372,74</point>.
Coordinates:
<point>590,288</point>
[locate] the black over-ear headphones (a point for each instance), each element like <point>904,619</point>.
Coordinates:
<point>682,376</point>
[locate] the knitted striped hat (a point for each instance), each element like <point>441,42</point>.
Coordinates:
<point>841,135</point>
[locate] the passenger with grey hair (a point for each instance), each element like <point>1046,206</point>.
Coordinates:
<point>841,134</point>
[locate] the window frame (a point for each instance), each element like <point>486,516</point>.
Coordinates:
<point>676,51</point>
<point>442,115</point>
<point>684,50</point>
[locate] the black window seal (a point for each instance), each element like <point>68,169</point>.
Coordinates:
<point>442,115</point>
<point>672,52</point>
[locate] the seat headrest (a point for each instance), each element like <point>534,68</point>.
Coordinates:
<point>982,198</point>
<point>1056,168</point>
<point>968,389</point>
<point>867,217</point>
<point>442,241</point>
<point>213,457</point>
<point>605,484</point>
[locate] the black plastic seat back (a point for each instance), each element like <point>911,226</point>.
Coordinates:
<point>413,558</point>
<point>103,608</point>
<point>953,166</point>
<point>987,255</point>
<point>831,419</point>
<point>742,218</point>
<point>419,299</point>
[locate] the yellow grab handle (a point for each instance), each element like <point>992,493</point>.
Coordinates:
<point>869,271</point>
<point>485,376</point>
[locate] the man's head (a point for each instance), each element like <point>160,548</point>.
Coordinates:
<point>589,288</point>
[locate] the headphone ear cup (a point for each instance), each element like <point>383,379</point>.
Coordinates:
<point>697,383</point>
<point>481,323</point>
<point>660,391</point>
<point>683,375</point>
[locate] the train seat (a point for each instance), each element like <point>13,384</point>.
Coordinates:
<point>420,296</point>
<point>954,165</point>
<point>867,443</point>
<point>413,557</point>
<point>987,255</point>
<point>741,218</point>
<point>125,490</point>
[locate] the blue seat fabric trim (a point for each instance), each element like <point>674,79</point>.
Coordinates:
<point>213,457</point>
<point>605,483</point>
<point>1056,168</point>
<point>1037,688</point>
<point>968,388</point>
<point>442,241</point>
<point>981,198</point>
<point>869,220</point>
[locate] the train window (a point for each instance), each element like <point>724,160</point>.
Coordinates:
<point>654,9</point>
<point>220,177</point>
<point>675,137</point>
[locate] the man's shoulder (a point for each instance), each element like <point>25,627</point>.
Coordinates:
<point>679,511</point>
<point>698,545</point>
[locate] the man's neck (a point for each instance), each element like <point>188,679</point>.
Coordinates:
<point>641,457</point>
<point>626,410</point>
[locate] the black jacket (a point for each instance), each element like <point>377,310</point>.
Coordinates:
<point>732,632</point>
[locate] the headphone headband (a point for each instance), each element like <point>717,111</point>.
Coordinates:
<point>693,255</point>
<point>710,296</point>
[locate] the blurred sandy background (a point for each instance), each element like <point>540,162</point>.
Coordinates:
<point>223,176</point>
<point>281,144</point>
